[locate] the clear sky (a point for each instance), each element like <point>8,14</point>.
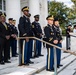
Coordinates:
<point>66,2</point>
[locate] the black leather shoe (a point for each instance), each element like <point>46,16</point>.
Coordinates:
<point>32,57</point>
<point>36,56</point>
<point>52,70</point>
<point>15,56</point>
<point>7,61</point>
<point>60,65</point>
<point>26,64</point>
<point>2,63</point>
<point>41,55</point>
<point>48,70</point>
<point>20,65</point>
<point>69,48</point>
<point>65,52</point>
<point>31,62</point>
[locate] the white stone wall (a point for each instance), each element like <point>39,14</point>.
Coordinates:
<point>24,3</point>
<point>43,12</point>
<point>13,10</point>
<point>34,8</point>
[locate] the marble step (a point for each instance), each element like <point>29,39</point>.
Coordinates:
<point>39,65</point>
<point>67,61</point>
<point>27,70</point>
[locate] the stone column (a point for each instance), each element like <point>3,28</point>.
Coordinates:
<point>43,12</point>
<point>13,10</point>
<point>34,8</point>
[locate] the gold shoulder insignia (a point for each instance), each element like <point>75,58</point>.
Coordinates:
<point>32,26</point>
<point>50,39</point>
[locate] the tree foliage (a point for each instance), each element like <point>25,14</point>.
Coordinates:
<point>74,1</point>
<point>59,10</point>
<point>74,7</point>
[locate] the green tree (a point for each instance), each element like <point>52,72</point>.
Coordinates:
<point>73,11</point>
<point>59,10</point>
<point>74,8</point>
<point>74,1</point>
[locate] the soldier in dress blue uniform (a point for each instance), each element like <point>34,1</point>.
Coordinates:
<point>25,30</point>
<point>16,34</point>
<point>37,33</point>
<point>30,40</point>
<point>13,42</point>
<point>50,34</point>
<point>59,38</point>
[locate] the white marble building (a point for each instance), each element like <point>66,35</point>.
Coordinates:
<point>13,9</point>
